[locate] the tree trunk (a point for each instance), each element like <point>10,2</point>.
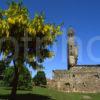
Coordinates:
<point>15,82</point>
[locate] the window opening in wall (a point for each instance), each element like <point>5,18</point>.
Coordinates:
<point>67,84</point>
<point>97,76</point>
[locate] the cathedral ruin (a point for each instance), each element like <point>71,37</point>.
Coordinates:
<point>78,78</point>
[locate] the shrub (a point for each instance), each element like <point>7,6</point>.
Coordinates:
<point>25,79</point>
<point>40,79</point>
<point>1,83</point>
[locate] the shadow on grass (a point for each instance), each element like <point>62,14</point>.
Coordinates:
<point>27,97</point>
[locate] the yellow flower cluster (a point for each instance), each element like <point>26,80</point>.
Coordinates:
<point>4,27</point>
<point>19,19</point>
<point>22,19</point>
<point>46,29</point>
<point>31,30</point>
<point>11,20</point>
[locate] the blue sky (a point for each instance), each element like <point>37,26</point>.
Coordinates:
<point>83,16</point>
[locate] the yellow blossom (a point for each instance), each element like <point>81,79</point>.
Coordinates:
<point>31,30</point>
<point>11,21</point>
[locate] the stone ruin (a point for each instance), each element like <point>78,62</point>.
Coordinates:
<point>78,78</point>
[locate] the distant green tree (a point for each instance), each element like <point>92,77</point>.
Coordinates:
<point>25,79</point>
<point>40,79</point>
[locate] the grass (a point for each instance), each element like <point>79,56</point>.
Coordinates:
<point>48,94</point>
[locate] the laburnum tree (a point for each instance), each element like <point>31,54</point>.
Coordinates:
<point>25,40</point>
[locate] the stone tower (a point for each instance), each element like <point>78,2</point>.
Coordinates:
<point>71,49</point>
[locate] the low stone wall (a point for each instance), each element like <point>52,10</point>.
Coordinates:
<point>78,79</point>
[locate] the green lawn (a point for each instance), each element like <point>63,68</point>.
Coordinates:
<point>48,94</point>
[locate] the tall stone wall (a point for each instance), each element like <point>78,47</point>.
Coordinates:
<point>81,78</point>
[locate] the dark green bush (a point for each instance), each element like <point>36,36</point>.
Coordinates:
<point>1,83</point>
<point>40,79</point>
<point>25,79</point>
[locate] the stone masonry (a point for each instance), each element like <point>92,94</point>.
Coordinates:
<point>78,78</point>
<point>82,78</point>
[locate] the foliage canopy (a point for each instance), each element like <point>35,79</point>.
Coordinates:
<point>15,23</point>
